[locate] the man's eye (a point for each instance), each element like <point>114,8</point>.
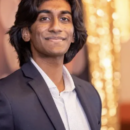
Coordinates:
<point>44,19</point>
<point>65,19</point>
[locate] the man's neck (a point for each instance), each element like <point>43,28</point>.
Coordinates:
<point>53,68</point>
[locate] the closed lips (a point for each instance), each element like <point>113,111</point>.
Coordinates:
<point>55,38</point>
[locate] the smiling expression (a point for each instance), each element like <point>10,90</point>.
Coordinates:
<point>52,32</point>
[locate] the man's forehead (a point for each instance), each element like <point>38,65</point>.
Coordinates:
<point>59,5</point>
<point>50,11</point>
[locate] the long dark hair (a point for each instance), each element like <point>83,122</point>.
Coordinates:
<point>27,14</point>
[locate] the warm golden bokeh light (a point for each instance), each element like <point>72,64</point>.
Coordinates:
<point>105,30</point>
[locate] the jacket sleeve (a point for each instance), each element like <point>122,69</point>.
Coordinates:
<point>6,118</point>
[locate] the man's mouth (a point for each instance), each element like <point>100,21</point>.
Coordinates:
<point>55,39</point>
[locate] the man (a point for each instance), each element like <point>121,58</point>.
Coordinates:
<point>42,95</point>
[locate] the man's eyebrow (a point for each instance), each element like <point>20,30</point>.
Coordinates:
<point>44,11</point>
<point>48,12</point>
<point>65,12</point>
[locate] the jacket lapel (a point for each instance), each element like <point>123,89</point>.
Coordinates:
<point>39,86</point>
<point>87,106</point>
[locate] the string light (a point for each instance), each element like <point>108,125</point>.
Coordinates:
<point>104,48</point>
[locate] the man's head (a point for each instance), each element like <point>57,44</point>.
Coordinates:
<point>48,28</point>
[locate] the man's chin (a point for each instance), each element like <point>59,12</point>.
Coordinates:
<point>58,52</point>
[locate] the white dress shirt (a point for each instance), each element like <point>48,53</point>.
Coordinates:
<point>67,102</point>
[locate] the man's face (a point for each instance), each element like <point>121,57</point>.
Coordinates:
<point>52,32</point>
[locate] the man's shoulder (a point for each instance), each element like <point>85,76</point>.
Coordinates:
<point>88,91</point>
<point>11,79</point>
<point>80,81</point>
<point>86,87</point>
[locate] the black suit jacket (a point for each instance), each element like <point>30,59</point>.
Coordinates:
<point>26,102</point>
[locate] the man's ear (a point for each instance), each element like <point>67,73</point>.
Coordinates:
<point>25,34</point>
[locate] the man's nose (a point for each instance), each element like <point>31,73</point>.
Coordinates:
<point>55,26</point>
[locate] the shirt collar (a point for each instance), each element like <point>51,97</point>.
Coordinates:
<point>69,84</point>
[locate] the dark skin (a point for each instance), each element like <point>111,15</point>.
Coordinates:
<point>50,37</point>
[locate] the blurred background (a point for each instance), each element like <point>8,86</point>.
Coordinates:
<point>104,61</point>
